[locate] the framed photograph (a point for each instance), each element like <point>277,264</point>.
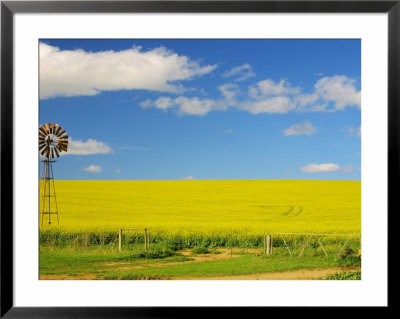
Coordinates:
<point>164,155</point>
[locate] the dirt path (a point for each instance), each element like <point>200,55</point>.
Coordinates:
<point>302,274</point>
<point>223,254</point>
<point>68,277</point>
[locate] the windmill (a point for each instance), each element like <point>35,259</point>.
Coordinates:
<point>53,140</point>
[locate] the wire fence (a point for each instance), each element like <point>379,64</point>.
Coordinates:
<point>290,244</point>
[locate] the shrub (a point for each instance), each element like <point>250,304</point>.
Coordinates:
<point>345,275</point>
<point>200,250</point>
<point>347,252</point>
<point>152,253</point>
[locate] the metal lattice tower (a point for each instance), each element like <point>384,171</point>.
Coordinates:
<point>52,141</point>
<point>48,203</point>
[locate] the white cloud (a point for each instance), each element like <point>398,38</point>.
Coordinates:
<point>320,168</point>
<point>240,73</point>
<point>339,90</point>
<point>77,72</point>
<point>190,106</point>
<point>227,131</point>
<point>269,87</point>
<point>305,128</point>
<point>187,178</point>
<point>253,92</point>
<point>93,169</point>
<point>117,170</point>
<point>306,99</point>
<point>146,104</point>
<point>348,169</point>
<point>330,94</point>
<point>195,106</point>
<point>277,104</point>
<point>89,147</point>
<point>229,91</point>
<point>163,103</point>
<point>327,168</point>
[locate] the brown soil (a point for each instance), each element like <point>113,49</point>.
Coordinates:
<point>67,277</point>
<point>224,254</point>
<point>302,274</point>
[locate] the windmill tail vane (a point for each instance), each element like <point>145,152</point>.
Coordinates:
<point>53,140</point>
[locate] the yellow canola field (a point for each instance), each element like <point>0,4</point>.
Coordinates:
<point>210,207</point>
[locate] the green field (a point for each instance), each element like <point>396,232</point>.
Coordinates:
<point>97,263</point>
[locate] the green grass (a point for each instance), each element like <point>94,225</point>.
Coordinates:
<point>244,265</point>
<point>58,261</point>
<point>200,250</point>
<point>111,264</point>
<point>345,275</point>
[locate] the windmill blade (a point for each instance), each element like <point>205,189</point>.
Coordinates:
<point>64,143</point>
<point>58,130</point>
<point>62,133</point>
<point>64,138</point>
<point>51,128</point>
<point>43,130</point>
<point>45,151</point>
<point>56,151</point>
<point>63,147</point>
<point>42,134</point>
<point>59,148</point>
<point>41,147</point>
<point>46,127</point>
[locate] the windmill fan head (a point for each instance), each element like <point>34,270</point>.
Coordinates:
<point>53,140</point>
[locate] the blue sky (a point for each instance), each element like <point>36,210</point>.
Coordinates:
<point>204,109</point>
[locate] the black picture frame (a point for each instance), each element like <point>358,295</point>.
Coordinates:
<point>9,8</point>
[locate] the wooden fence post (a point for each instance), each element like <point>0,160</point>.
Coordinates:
<point>272,243</point>
<point>265,244</point>
<point>247,246</point>
<point>269,247</point>
<point>231,245</point>
<point>120,240</point>
<point>145,239</point>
